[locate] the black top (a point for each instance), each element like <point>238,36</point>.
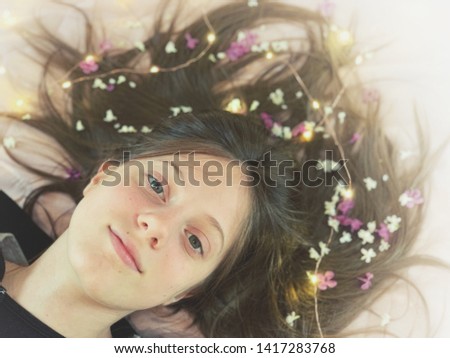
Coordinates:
<point>16,321</point>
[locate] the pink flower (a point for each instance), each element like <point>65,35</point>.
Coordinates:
<point>366,280</point>
<point>355,137</point>
<point>298,129</point>
<point>370,95</point>
<point>355,224</point>
<point>326,8</point>
<point>267,119</point>
<point>110,87</point>
<point>88,66</point>
<point>383,232</point>
<point>191,42</point>
<point>105,45</point>
<point>411,198</point>
<point>240,48</point>
<point>345,206</point>
<point>325,281</point>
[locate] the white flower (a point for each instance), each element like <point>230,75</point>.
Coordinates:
<point>370,183</point>
<point>365,236</point>
<point>385,319</point>
<point>287,134</point>
<point>341,117</point>
<point>212,58</point>
<point>221,55</point>
<point>140,46</point>
<point>330,208</point>
<point>79,126</point>
<point>385,177</point>
<point>384,245</point>
<point>313,254</point>
<point>324,250</point>
<point>299,94</point>
<point>98,83</point>
<point>132,84</point>
<point>277,130</point>
<point>368,255</point>
<point>121,79</point>
<point>254,105</point>
<point>262,47</point>
<point>110,116</point>
<point>333,223</point>
<point>346,237</point>
<point>291,318</point>
<point>393,223</point>
<point>404,199</point>
<point>170,47</point>
<point>9,142</point>
<point>127,129</point>
<point>279,46</point>
<point>145,129</point>
<point>277,97</point>
<point>26,117</point>
<point>328,110</point>
<point>186,109</point>
<point>371,226</point>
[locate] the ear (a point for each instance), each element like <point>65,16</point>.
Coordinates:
<point>97,177</point>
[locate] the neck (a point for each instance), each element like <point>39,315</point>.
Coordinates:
<point>50,291</point>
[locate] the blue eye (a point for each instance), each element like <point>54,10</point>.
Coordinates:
<point>156,185</point>
<point>196,244</point>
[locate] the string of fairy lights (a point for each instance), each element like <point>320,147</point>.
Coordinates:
<point>343,38</point>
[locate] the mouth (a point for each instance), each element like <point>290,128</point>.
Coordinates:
<point>125,253</point>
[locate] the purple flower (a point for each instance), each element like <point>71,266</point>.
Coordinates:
<point>366,280</point>
<point>110,87</point>
<point>88,66</point>
<point>267,119</point>
<point>383,232</point>
<point>73,174</point>
<point>240,48</point>
<point>191,42</point>
<point>345,206</point>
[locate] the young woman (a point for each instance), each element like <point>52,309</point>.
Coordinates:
<point>306,235</point>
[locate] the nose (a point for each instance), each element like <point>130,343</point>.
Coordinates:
<point>154,229</point>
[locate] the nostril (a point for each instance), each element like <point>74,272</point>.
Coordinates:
<point>154,242</point>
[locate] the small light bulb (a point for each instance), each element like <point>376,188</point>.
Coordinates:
<point>89,58</point>
<point>67,85</point>
<point>269,55</point>
<point>312,278</point>
<point>315,104</point>
<point>211,37</point>
<point>20,103</point>
<point>154,69</point>
<point>345,37</point>
<point>358,60</point>
<point>307,136</point>
<point>348,193</point>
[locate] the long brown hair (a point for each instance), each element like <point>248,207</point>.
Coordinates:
<point>268,274</point>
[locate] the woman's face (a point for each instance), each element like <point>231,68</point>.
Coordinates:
<point>136,244</point>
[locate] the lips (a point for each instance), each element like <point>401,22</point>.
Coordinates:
<point>125,251</point>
